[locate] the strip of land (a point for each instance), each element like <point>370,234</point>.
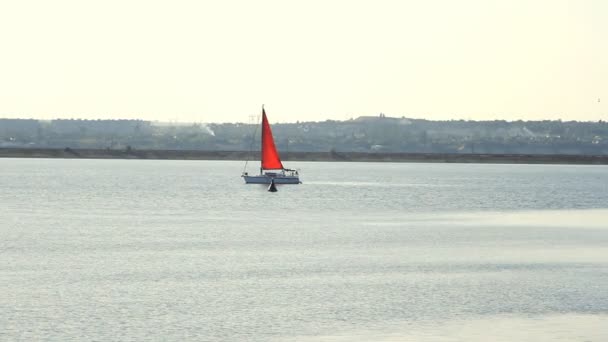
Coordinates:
<point>304,156</point>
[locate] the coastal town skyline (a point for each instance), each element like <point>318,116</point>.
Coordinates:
<point>204,61</point>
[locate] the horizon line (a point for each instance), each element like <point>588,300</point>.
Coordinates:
<point>368,117</point>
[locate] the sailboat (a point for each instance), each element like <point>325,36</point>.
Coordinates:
<point>271,167</point>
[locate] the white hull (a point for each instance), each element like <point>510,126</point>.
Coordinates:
<point>278,179</point>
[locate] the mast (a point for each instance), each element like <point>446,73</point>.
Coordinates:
<point>262,142</point>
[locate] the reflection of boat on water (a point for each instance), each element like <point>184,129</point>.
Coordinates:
<point>271,166</point>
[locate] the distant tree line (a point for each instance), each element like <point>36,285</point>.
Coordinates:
<point>364,134</point>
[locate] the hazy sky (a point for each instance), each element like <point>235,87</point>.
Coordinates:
<point>219,61</point>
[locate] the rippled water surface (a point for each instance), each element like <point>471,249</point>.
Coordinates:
<point>183,250</point>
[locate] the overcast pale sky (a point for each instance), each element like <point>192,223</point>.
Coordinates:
<point>219,61</point>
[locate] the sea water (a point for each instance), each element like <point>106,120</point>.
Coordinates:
<point>135,250</point>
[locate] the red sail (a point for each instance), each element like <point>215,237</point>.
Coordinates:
<point>270,156</point>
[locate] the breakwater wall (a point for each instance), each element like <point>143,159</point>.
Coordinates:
<point>303,156</point>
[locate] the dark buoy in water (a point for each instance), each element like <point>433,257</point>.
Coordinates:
<point>272,187</point>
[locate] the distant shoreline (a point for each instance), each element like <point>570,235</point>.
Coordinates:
<point>69,153</point>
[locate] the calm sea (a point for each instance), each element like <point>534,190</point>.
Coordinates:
<point>125,250</point>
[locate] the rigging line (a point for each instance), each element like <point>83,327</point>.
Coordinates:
<point>250,154</point>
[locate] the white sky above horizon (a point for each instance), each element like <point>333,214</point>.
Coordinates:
<point>219,61</point>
